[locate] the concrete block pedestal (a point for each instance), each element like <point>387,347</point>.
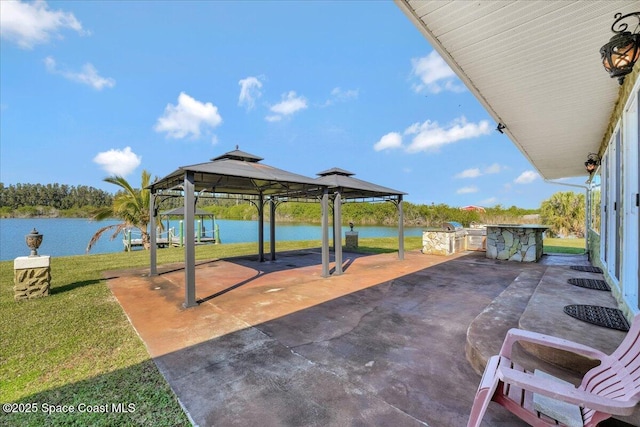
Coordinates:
<point>31,277</point>
<point>351,240</point>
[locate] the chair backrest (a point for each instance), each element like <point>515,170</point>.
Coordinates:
<point>618,376</point>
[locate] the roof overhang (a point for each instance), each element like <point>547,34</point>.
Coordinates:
<point>535,67</point>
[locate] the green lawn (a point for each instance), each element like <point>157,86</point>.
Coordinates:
<point>564,246</point>
<point>75,349</point>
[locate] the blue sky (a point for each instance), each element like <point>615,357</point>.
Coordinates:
<point>92,89</point>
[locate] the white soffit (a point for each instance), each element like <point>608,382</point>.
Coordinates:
<point>536,68</point>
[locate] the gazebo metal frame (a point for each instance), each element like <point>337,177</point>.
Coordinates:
<point>241,173</point>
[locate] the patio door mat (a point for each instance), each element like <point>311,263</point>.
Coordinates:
<point>611,318</point>
<point>586,268</point>
<point>599,285</point>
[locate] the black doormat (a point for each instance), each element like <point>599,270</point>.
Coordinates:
<point>586,269</point>
<point>611,318</point>
<point>599,285</point>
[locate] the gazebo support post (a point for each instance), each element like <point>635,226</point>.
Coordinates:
<point>272,228</point>
<point>261,228</point>
<point>400,229</point>
<point>189,241</point>
<point>325,233</point>
<point>337,231</point>
<point>153,213</point>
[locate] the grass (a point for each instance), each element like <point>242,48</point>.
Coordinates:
<point>564,246</point>
<point>75,349</point>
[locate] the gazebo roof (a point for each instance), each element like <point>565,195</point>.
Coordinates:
<point>354,188</point>
<point>237,172</point>
<point>238,155</point>
<point>335,171</point>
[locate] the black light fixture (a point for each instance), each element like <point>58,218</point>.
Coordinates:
<point>593,161</point>
<point>623,50</point>
<point>500,127</point>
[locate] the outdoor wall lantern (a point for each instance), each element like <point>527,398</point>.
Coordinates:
<point>623,50</point>
<point>593,161</point>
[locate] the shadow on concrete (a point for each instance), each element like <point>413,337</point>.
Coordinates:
<point>229,289</point>
<point>285,261</point>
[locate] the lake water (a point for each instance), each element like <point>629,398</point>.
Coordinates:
<point>69,236</point>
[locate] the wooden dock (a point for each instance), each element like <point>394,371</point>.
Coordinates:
<point>170,239</point>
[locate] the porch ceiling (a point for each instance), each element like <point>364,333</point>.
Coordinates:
<point>536,68</point>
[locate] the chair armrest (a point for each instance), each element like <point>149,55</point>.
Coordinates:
<point>564,392</point>
<point>514,335</point>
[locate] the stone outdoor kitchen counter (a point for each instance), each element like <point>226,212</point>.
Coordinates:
<point>515,242</point>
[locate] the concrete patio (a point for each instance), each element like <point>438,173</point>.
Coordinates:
<point>275,344</point>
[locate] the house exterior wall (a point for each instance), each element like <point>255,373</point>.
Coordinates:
<point>605,248</point>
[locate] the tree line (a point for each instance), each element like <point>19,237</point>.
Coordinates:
<point>379,213</point>
<point>564,212</point>
<point>50,199</point>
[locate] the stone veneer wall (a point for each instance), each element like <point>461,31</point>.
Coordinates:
<point>437,242</point>
<point>514,243</point>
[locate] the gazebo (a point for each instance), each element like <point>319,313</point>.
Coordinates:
<point>345,187</point>
<point>241,174</point>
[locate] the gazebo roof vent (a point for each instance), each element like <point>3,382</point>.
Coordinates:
<point>335,171</point>
<point>238,155</point>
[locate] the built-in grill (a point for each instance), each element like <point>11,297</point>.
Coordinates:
<point>477,238</point>
<point>457,237</point>
<point>445,240</point>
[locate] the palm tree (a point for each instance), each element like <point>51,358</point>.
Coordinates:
<point>564,212</point>
<point>131,205</point>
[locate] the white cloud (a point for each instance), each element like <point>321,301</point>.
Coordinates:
<point>469,173</point>
<point>494,168</point>
<point>431,136</point>
<point>187,118</point>
<point>476,172</point>
<point>118,162</point>
<point>249,92</point>
<point>339,95</point>
<point>290,104</point>
<point>88,76</point>
<point>273,118</point>
<point>526,177</point>
<point>434,75</point>
<point>28,24</point>
<point>388,141</point>
<point>467,190</point>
